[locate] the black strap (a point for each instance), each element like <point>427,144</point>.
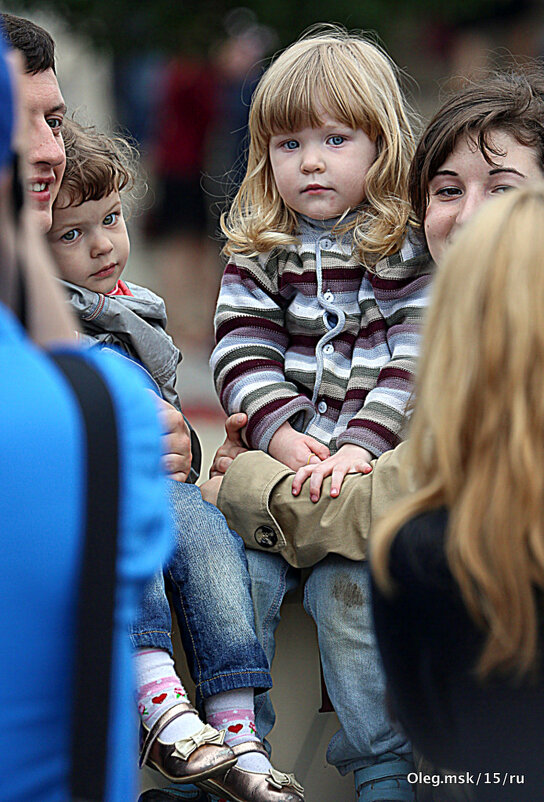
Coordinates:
<point>96,604</point>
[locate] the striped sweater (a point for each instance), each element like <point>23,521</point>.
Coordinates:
<point>307,334</point>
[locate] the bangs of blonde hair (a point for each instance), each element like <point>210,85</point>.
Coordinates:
<point>327,72</point>
<point>477,437</point>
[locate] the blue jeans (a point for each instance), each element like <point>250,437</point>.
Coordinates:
<point>211,594</point>
<point>337,596</point>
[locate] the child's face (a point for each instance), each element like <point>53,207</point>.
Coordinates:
<point>320,172</point>
<point>90,242</point>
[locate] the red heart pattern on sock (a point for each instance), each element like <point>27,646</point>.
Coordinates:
<point>235,728</point>
<point>158,700</point>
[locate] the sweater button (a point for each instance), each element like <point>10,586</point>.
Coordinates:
<point>325,243</point>
<point>329,296</point>
<point>328,349</point>
<point>322,407</point>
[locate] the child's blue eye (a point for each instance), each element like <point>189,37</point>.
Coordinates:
<point>337,139</point>
<point>71,235</point>
<point>110,219</point>
<point>291,144</point>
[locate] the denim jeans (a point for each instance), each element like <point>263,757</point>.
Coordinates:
<point>337,596</point>
<point>209,582</point>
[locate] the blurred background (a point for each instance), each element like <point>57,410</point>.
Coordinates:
<point>178,78</point>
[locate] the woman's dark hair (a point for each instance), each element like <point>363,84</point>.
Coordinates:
<point>35,43</point>
<point>512,102</point>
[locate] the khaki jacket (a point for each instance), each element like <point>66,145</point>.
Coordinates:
<point>256,499</point>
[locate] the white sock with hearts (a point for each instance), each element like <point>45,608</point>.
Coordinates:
<point>158,689</point>
<point>234,712</point>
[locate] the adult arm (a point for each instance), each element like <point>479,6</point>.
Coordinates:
<point>256,498</point>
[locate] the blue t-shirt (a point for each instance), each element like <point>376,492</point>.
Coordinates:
<point>42,524</point>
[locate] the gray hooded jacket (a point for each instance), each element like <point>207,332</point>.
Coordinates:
<point>135,324</point>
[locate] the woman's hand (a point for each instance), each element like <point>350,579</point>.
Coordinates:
<point>295,449</point>
<point>348,459</point>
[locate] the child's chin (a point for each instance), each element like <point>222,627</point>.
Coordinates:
<point>103,287</point>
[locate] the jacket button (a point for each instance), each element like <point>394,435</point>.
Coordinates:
<point>265,537</point>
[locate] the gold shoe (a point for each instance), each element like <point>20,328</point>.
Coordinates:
<point>196,757</point>
<point>240,785</point>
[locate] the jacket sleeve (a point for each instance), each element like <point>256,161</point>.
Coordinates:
<point>401,302</point>
<point>248,360</point>
<point>258,503</point>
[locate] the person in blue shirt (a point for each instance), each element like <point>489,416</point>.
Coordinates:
<point>42,523</point>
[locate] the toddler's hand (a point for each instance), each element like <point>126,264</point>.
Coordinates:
<point>348,459</point>
<point>295,449</point>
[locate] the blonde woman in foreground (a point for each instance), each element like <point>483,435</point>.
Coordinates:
<point>458,565</point>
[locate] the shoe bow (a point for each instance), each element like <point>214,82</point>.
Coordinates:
<point>207,735</point>
<point>278,779</point>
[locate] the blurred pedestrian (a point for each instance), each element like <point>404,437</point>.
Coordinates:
<point>179,219</point>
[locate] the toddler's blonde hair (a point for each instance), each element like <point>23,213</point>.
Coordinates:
<point>354,80</point>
